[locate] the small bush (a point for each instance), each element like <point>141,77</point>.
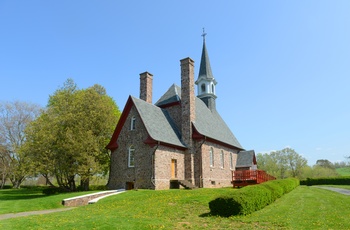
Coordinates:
<point>251,198</point>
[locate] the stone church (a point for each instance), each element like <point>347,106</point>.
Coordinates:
<point>181,140</point>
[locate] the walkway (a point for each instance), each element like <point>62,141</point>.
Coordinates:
<point>340,190</point>
<point>40,212</point>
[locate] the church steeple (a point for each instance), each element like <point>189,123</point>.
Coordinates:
<point>206,82</point>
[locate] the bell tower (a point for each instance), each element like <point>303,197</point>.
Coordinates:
<point>206,82</point>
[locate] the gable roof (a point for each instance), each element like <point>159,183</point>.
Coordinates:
<point>161,128</point>
<point>158,123</point>
<point>153,118</point>
<point>207,123</point>
<point>246,158</point>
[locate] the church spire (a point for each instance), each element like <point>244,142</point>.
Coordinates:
<point>206,82</point>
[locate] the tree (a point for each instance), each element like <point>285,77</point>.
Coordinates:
<point>14,117</point>
<point>4,165</point>
<point>69,138</point>
<point>282,163</point>
<point>325,163</point>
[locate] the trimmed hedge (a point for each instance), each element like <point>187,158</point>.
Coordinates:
<point>251,198</point>
<point>326,181</point>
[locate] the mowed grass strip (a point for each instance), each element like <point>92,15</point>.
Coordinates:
<point>303,208</point>
<point>22,200</point>
<point>343,171</point>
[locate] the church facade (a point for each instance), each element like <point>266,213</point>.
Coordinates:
<point>179,139</point>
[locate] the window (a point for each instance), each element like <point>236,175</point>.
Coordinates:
<point>212,89</point>
<point>131,157</point>
<point>132,123</point>
<point>211,156</point>
<point>203,88</point>
<point>231,160</point>
<point>222,159</point>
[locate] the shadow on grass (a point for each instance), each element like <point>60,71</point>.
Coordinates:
<point>21,194</point>
<point>208,214</point>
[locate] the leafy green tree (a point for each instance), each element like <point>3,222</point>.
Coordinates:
<point>282,164</point>
<point>317,171</point>
<point>14,118</point>
<point>69,138</point>
<point>325,163</point>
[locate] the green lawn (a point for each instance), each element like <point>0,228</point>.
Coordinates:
<point>343,171</point>
<point>21,200</point>
<point>303,208</point>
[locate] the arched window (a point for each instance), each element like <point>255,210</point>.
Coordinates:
<point>211,156</point>
<point>231,161</point>
<point>132,123</point>
<point>212,88</point>
<point>131,157</point>
<point>203,88</point>
<point>222,159</point>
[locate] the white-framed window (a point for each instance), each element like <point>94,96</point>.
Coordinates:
<point>212,88</point>
<point>131,157</point>
<point>211,157</point>
<point>132,123</point>
<point>231,161</point>
<point>222,159</point>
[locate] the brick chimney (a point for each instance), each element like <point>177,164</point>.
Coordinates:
<point>146,80</point>
<point>187,99</point>
<point>188,113</point>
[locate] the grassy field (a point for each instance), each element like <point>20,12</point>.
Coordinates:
<point>303,208</point>
<point>22,200</point>
<point>343,171</point>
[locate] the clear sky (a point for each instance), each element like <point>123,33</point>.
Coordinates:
<point>282,66</point>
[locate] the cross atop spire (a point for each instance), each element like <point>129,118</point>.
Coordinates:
<point>204,34</point>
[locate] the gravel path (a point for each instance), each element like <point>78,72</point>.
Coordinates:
<point>20,214</point>
<point>340,190</point>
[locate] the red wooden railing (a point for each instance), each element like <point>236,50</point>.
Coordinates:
<point>246,177</point>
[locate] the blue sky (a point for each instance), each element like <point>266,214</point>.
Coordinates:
<point>282,66</point>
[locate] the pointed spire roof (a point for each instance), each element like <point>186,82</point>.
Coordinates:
<point>205,69</point>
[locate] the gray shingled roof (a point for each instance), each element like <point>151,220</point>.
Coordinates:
<point>158,123</point>
<point>208,123</point>
<point>172,95</point>
<point>245,158</point>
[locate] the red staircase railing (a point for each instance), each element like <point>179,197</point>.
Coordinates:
<point>246,177</point>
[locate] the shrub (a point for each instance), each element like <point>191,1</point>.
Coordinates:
<point>251,198</point>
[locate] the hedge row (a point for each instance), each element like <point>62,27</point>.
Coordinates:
<point>251,198</point>
<point>326,181</point>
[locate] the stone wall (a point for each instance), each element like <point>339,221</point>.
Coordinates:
<point>162,159</point>
<point>218,175</point>
<point>141,173</point>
